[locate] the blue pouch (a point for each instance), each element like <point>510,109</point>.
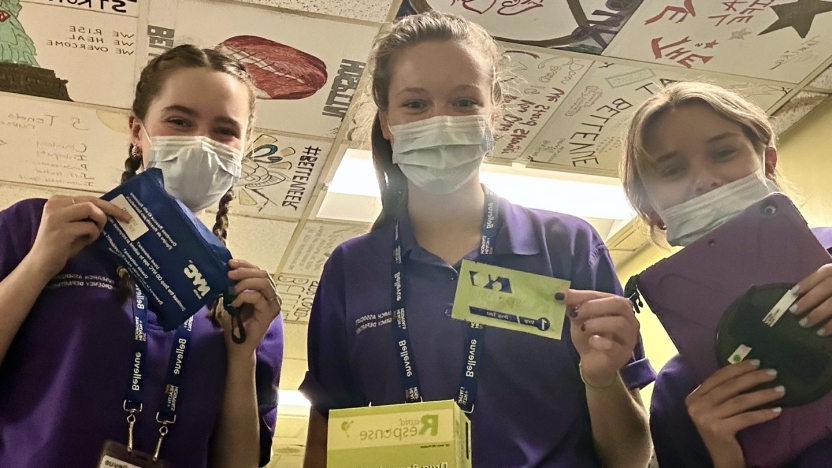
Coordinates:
<point>175,259</point>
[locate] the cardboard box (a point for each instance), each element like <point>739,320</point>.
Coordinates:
<point>435,434</point>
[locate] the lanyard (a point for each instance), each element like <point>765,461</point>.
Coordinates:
<point>467,395</point>
<point>176,369</point>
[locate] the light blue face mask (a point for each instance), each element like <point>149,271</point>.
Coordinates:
<point>440,154</point>
<point>688,221</point>
<point>197,170</point>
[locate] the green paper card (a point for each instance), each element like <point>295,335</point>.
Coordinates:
<point>510,299</point>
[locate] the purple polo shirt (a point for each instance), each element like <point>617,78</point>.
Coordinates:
<point>531,409</point>
<point>676,440</point>
<point>64,379</point>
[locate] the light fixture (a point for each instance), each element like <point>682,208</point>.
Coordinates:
<point>353,193</point>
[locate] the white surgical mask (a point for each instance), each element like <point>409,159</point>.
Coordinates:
<point>440,154</point>
<point>197,170</point>
<point>688,221</point>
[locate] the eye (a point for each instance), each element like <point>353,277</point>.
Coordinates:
<point>179,122</point>
<point>414,105</point>
<point>227,131</point>
<point>466,103</point>
<point>671,172</point>
<point>725,153</point>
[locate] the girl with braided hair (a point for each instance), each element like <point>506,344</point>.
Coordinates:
<point>68,331</point>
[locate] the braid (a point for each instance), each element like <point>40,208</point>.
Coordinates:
<point>221,231</point>
<point>131,166</point>
<point>221,225</point>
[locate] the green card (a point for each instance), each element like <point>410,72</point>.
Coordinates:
<point>514,300</point>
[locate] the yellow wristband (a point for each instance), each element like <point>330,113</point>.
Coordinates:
<point>594,387</point>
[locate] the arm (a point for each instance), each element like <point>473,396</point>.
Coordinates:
<point>68,224</point>
<point>316,441</point>
<point>237,434</point>
<point>236,440</point>
<point>329,383</point>
<point>622,440</point>
<point>18,293</point>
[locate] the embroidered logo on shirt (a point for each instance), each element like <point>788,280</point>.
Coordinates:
<point>66,280</point>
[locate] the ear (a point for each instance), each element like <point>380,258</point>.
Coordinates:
<point>385,126</point>
<point>136,133</point>
<point>770,162</point>
<point>655,220</point>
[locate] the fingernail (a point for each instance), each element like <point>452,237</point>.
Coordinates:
<point>804,323</point>
<point>795,289</point>
<point>583,327</point>
<point>793,308</point>
<point>780,389</point>
<point>754,362</point>
<point>822,332</point>
<point>772,372</point>
<point>560,296</point>
<point>573,313</point>
<point>777,410</point>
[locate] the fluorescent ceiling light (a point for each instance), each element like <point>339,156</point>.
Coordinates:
<point>579,195</point>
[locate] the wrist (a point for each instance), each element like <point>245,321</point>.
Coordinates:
<point>598,381</point>
<point>38,270</point>
<point>240,358</point>
<point>726,454</point>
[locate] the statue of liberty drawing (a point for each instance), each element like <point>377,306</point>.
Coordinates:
<point>19,71</point>
<point>15,45</point>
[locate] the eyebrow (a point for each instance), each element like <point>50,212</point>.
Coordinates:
<point>722,136</point>
<point>464,87</point>
<point>193,113</point>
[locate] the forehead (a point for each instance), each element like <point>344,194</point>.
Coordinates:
<point>211,93</point>
<point>438,64</point>
<point>684,127</point>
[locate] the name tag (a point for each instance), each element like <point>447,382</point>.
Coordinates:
<point>115,455</point>
<point>514,300</point>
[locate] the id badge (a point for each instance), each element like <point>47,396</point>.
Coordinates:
<point>115,455</point>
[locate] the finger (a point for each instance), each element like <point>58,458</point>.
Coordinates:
<point>610,306</point>
<point>239,274</point>
<point>739,385</point>
<point>110,209</point>
<point>573,298</point>
<point>85,230</point>
<point>240,263</point>
<point>811,298</point>
<point>821,313</point>
<point>604,344</point>
<point>811,281</point>
<point>84,212</point>
<point>615,328</point>
<point>250,297</point>
<point>748,401</point>
<point>752,418</point>
<point>257,284</point>
<point>726,374</point>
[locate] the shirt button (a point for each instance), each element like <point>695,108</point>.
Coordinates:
<point>449,310</point>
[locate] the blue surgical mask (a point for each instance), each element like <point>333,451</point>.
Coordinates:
<point>197,170</point>
<point>440,154</point>
<point>688,221</point>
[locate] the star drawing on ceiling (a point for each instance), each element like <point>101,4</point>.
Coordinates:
<point>740,34</point>
<point>798,15</point>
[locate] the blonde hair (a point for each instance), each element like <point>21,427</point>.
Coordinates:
<point>728,104</point>
<point>408,32</point>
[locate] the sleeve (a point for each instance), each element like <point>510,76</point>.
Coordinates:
<point>18,228</point>
<point>676,441</point>
<point>638,373</point>
<point>330,382</point>
<point>266,380</point>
